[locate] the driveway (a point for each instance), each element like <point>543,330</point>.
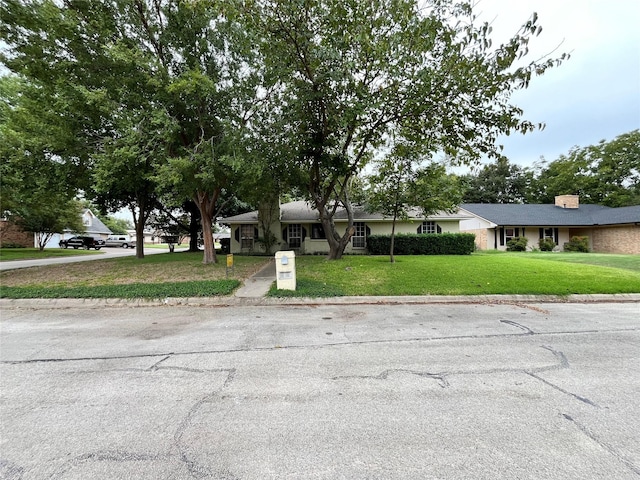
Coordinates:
<point>485,391</point>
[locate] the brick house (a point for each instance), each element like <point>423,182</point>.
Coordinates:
<point>609,230</point>
<point>12,234</point>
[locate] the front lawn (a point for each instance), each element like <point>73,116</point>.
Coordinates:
<point>477,274</point>
<point>179,274</point>
<point>183,275</point>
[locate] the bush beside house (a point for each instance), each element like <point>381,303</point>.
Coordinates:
<point>546,245</point>
<point>577,244</point>
<point>518,244</point>
<point>423,244</point>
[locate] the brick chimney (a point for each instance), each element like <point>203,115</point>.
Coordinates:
<point>568,201</point>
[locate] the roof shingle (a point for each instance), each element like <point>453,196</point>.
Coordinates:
<point>551,215</point>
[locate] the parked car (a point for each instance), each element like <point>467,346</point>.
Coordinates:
<point>82,242</point>
<point>120,241</point>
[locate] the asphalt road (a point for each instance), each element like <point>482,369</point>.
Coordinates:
<point>486,391</point>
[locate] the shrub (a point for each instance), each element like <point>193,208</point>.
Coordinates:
<point>518,244</point>
<point>11,245</point>
<point>423,244</point>
<point>546,244</point>
<point>577,244</point>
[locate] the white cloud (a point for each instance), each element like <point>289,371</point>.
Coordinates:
<point>593,96</point>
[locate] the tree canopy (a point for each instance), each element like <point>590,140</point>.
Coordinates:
<point>607,173</point>
<point>140,98</point>
<point>153,91</point>
<point>38,189</point>
<point>499,182</point>
<point>342,76</point>
<point>401,184</point>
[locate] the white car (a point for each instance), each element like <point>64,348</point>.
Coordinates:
<point>120,241</point>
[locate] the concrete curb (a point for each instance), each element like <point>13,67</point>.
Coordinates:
<point>62,303</point>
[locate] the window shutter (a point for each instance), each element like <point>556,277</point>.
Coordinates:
<point>304,233</point>
<point>502,236</point>
<point>419,229</point>
<point>368,230</point>
<point>438,229</point>
<point>236,234</point>
<point>523,234</point>
<point>284,234</point>
<point>556,235</point>
<point>541,231</point>
<point>517,232</point>
<point>256,233</point>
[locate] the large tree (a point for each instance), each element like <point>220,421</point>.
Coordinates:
<point>124,171</point>
<point>499,182</point>
<point>403,183</point>
<point>607,173</point>
<point>37,192</point>
<point>131,71</point>
<point>342,75</point>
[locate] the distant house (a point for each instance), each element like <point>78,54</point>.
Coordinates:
<point>150,236</point>
<point>93,228</point>
<point>13,235</point>
<point>609,230</point>
<point>296,226</point>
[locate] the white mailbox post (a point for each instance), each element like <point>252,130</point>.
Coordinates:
<point>286,270</point>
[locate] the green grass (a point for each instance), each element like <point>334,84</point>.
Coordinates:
<point>10,254</point>
<point>179,274</point>
<point>182,274</point>
<point>132,290</point>
<point>477,274</point>
<point>625,262</point>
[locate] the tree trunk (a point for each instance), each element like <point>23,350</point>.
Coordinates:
<point>393,239</point>
<point>206,203</point>
<point>43,238</point>
<point>337,243</point>
<point>139,239</point>
<point>194,225</point>
<point>207,237</point>
<point>139,219</point>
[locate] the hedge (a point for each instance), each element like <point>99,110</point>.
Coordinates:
<point>423,244</point>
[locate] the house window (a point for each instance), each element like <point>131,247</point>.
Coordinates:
<point>246,236</point>
<point>428,227</point>
<point>548,233</point>
<point>86,221</point>
<point>510,233</point>
<point>294,235</point>
<point>317,232</point>
<point>359,239</point>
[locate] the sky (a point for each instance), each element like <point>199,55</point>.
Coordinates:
<point>595,95</point>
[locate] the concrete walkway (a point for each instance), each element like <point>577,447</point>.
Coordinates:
<point>258,285</point>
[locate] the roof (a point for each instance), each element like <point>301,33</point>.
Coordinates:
<point>301,212</point>
<point>96,225</point>
<point>550,215</point>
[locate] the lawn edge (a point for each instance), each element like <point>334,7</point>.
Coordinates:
<point>231,301</point>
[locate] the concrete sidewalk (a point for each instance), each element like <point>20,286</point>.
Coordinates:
<point>258,285</point>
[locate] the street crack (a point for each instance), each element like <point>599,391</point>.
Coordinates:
<point>526,330</point>
<point>628,463</point>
